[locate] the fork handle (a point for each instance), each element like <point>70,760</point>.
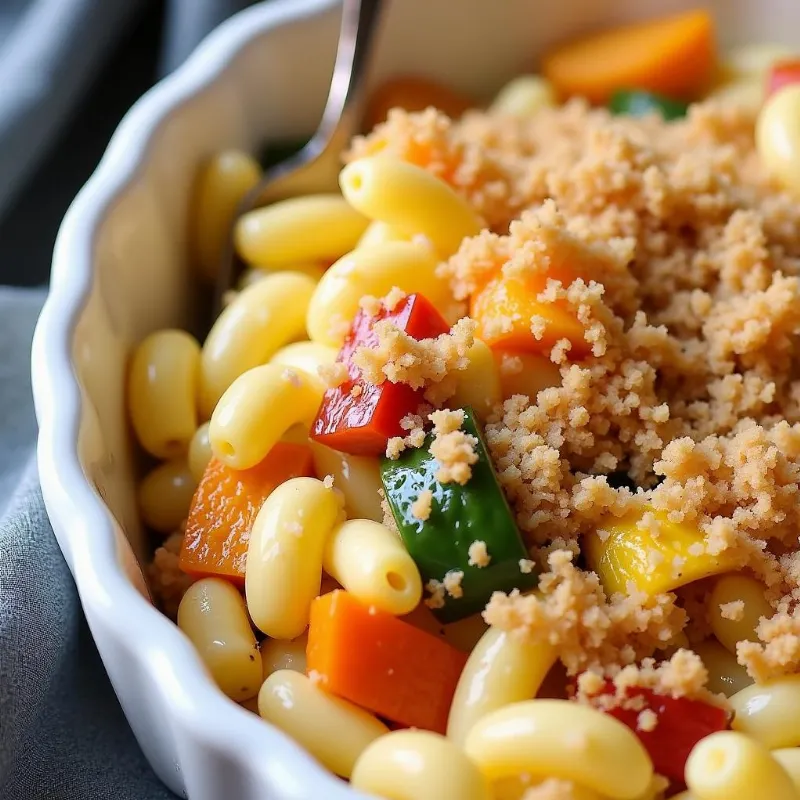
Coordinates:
<point>357,34</point>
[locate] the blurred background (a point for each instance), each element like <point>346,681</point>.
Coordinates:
<point>77,66</point>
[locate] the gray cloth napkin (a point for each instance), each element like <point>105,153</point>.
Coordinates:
<point>62,733</point>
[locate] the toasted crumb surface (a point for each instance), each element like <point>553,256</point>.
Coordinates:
<point>453,449</point>
<point>421,507</point>
<point>478,555</point>
<point>167,582</point>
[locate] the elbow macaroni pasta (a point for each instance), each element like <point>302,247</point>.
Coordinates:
<point>410,199</point>
<point>358,478</point>
<point>564,740</point>
<point>278,235</point>
<point>380,233</point>
<point>729,766</point>
<point>789,759</point>
<point>370,562</point>
<point>500,671</point>
<point>165,495</point>
<point>418,765</point>
<point>372,271</point>
<point>212,614</point>
<point>524,96</point>
<point>725,674</point>
<point>199,452</point>
<point>768,712</point>
<point>478,386</point>
<point>263,318</point>
<point>284,556</point>
<point>162,392</point>
<point>277,654</point>
<point>257,409</point>
<point>334,731</point>
<point>306,356</point>
<point>732,588</point>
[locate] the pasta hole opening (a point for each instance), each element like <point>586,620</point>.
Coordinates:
<point>226,449</point>
<point>716,760</point>
<point>396,581</point>
<point>356,181</point>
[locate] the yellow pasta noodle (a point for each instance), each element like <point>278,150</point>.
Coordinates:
<point>199,452</point>
<point>284,556</point>
<point>277,654</point>
<point>418,765</point>
<point>357,478</point>
<point>526,374</point>
<point>410,199</point>
<point>306,356</point>
<point>725,673</point>
<point>213,615</point>
<point>769,712</point>
<point>334,731</point>
<point>370,561</point>
<point>380,233</point>
<point>478,386</point>
<point>500,670</point>
<point>373,271</point>
<point>165,495</point>
<point>162,392</point>
<point>257,409</point>
<point>524,96</point>
<point>562,739</point>
<point>729,766</point>
<point>789,759</point>
<point>262,319</point>
<point>221,185</point>
<point>737,589</point>
<point>317,227</point>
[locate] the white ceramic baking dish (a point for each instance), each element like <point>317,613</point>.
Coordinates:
<point>120,271</point>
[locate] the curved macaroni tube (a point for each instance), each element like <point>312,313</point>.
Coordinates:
<point>380,233</point>
<point>165,495</point>
<point>789,759</point>
<point>213,615</point>
<point>358,478</point>
<point>524,96</point>
<point>725,674</point>
<point>500,670</point>
<point>525,373</point>
<point>478,386</point>
<point>519,786</point>
<point>257,409</point>
<point>418,765</point>
<point>306,356</point>
<point>261,319</point>
<point>370,562</point>
<point>162,391</point>
<point>284,555</point>
<point>277,654</point>
<point>278,234</point>
<point>334,731</point>
<point>410,199</point>
<point>218,190</point>
<point>561,739</point>
<point>199,452</point>
<point>737,588</point>
<point>769,712</point>
<point>730,766</point>
<point>373,271</point>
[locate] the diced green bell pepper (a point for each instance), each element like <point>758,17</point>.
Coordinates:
<point>459,516</point>
<point>637,103</point>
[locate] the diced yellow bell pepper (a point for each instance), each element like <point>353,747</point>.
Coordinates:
<point>652,563</point>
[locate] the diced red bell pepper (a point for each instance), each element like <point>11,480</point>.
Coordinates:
<point>682,723</point>
<point>359,417</point>
<point>782,73</point>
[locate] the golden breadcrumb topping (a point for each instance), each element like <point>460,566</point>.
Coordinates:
<point>167,582</point>
<point>478,555</point>
<point>453,449</point>
<point>421,507</point>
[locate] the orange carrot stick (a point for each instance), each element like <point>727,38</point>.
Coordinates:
<point>414,94</point>
<point>673,56</point>
<point>381,663</point>
<point>225,506</point>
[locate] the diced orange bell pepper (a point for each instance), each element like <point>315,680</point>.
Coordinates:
<point>504,307</point>
<point>381,663</point>
<point>225,506</point>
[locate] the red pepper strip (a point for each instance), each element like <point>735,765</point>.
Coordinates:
<point>782,73</point>
<point>682,723</point>
<point>361,422</point>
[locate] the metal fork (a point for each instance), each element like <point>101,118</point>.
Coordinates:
<point>318,163</point>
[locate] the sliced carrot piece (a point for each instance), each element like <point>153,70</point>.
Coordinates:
<point>503,309</point>
<point>414,93</point>
<point>381,663</point>
<point>673,55</point>
<point>225,506</point>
